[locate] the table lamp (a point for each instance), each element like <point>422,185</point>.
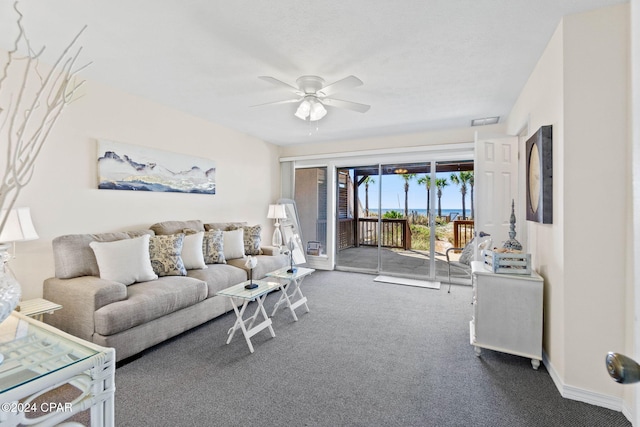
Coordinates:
<point>17,228</point>
<point>276,212</point>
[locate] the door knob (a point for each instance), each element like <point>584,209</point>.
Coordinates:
<point>622,369</point>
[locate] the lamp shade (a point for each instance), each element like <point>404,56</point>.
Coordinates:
<point>317,111</point>
<point>276,212</point>
<point>303,110</point>
<point>18,226</point>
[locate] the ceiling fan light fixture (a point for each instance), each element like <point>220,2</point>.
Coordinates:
<point>303,110</point>
<point>317,111</point>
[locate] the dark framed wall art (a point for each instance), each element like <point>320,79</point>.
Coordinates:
<point>540,176</point>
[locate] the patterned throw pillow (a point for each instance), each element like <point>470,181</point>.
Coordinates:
<point>212,247</point>
<point>165,255</point>
<point>467,253</point>
<point>251,239</point>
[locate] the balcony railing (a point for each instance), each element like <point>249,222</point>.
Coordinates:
<point>394,233</point>
<point>462,232</point>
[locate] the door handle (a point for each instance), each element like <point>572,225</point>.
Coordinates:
<point>622,369</point>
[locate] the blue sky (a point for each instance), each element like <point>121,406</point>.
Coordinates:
<point>393,190</point>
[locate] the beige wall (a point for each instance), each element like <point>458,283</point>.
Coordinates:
<point>580,86</point>
<point>63,195</point>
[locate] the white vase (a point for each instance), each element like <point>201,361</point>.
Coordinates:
<point>10,292</point>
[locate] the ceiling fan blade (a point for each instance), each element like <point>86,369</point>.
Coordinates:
<point>281,84</point>
<point>286,101</point>
<point>339,103</point>
<point>346,83</point>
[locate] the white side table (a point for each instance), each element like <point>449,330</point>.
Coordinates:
<point>293,280</point>
<point>248,326</point>
<point>35,308</point>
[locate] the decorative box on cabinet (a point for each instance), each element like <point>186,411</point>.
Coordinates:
<point>507,313</point>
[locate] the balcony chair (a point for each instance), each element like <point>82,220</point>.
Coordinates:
<point>466,255</point>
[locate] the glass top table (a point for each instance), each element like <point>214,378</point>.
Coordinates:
<point>39,357</point>
<point>239,291</point>
<point>291,295</point>
<point>283,273</point>
<point>31,352</point>
<point>248,326</point>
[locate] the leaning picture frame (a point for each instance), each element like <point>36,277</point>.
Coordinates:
<point>290,227</point>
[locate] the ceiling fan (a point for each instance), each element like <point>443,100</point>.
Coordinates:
<point>313,95</point>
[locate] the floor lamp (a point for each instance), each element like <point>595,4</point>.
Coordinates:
<point>276,212</point>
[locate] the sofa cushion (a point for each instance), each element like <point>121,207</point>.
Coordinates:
<point>147,301</point>
<point>165,255</point>
<point>219,276</point>
<point>192,251</point>
<point>125,261</point>
<point>266,264</point>
<point>73,257</point>
<point>223,225</point>
<point>175,227</point>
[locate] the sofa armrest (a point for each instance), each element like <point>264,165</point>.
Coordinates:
<point>270,250</point>
<point>80,297</point>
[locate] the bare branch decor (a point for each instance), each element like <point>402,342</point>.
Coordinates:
<point>31,102</point>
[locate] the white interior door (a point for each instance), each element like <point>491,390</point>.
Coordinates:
<point>496,185</point>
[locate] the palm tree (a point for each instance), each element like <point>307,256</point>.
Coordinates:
<point>440,184</point>
<point>426,181</point>
<point>471,182</point>
<point>462,179</point>
<point>407,177</point>
<point>368,180</point>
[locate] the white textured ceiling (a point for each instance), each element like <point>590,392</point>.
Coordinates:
<point>426,64</point>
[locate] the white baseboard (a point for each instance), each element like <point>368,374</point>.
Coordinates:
<point>586,396</point>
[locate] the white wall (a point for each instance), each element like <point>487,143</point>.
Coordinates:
<point>596,69</point>
<point>450,136</point>
<point>63,194</point>
<point>632,397</point>
<point>580,86</point>
<point>541,103</point>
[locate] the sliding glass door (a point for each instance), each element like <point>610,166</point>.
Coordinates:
<point>395,218</point>
<point>399,219</point>
<point>357,215</point>
<point>382,220</point>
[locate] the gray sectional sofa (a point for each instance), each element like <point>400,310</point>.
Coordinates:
<point>114,296</point>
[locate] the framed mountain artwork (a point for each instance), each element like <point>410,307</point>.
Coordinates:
<point>131,167</point>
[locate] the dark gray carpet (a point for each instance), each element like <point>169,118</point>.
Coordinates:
<point>368,354</point>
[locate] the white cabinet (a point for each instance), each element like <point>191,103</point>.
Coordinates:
<point>507,313</point>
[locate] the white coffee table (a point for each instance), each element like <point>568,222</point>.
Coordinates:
<point>291,280</point>
<point>248,326</point>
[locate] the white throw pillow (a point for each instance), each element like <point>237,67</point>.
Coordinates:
<point>126,261</point>
<point>192,255</point>
<point>233,244</point>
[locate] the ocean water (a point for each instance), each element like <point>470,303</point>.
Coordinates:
<point>445,212</point>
